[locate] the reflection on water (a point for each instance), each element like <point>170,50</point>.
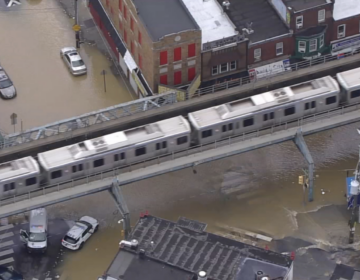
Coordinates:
<point>32,35</point>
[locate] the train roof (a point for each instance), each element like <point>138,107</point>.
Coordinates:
<point>267,100</point>
<point>349,79</point>
<point>117,140</point>
<point>17,168</point>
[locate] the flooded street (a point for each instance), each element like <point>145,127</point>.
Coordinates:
<point>32,35</point>
<point>256,191</point>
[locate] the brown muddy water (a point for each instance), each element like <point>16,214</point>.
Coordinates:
<point>32,35</point>
<point>256,191</point>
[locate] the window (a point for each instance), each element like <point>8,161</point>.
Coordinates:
<point>191,74</point>
<point>182,140</point>
<point>163,79</point>
<point>9,187</point>
<point>99,162</point>
<point>132,24</point>
<point>289,111</point>
<point>132,47</point>
<point>265,117</point>
<point>313,104</point>
<point>56,174</point>
<point>125,36</point>
<point>299,22</point>
<point>140,61</point>
<point>191,50</point>
<point>30,181</point>
<point>322,41</point>
<point>74,169</point>
<point>164,145</point>
<point>272,115</point>
<point>341,31</point>
<point>120,5</point>
<point>163,58</point>
<point>313,45</point>
<point>321,15</point>
<point>307,106</point>
<point>355,93</point>
<point>279,48</point>
<point>233,65</point>
<point>224,128</point>
<point>157,146</point>
<point>257,54</point>
<point>140,151</point>
<point>139,38</point>
<point>248,122</point>
<point>230,125</point>
<point>224,67</point>
<point>206,133</point>
<point>302,47</point>
<point>80,167</point>
<point>330,100</point>
<point>161,145</point>
<point>125,12</point>
<point>177,78</point>
<point>120,156</point>
<point>214,70</point>
<point>177,54</point>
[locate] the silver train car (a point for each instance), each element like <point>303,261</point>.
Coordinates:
<point>115,150</point>
<point>172,135</point>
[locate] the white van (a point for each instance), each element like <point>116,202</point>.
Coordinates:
<point>36,238</point>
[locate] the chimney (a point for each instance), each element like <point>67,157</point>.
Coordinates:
<point>202,275</point>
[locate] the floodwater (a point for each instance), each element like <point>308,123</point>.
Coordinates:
<point>32,35</point>
<point>256,191</point>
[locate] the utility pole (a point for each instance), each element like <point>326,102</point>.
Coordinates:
<point>76,27</point>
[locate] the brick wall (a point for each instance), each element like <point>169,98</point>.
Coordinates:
<point>352,27</point>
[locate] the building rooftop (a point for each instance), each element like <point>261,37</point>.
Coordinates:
<point>180,250</point>
<point>162,18</point>
<point>344,272</point>
<point>300,5</point>
<point>346,8</point>
<point>262,17</point>
<point>214,24</point>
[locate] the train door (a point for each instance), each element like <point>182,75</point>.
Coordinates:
<point>161,148</point>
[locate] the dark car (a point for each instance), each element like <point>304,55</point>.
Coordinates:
<point>7,89</point>
<point>7,274</point>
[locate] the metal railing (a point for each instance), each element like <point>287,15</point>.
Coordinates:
<point>67,126</point>
<point>46,189</point>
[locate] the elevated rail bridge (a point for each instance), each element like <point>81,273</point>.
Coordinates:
<point>191,157</point>
<point>152,109</point>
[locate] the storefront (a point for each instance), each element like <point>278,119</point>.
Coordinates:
<point>269,70</point>
<point>344,46</point>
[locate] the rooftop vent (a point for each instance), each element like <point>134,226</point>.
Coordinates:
<point>279,94</point>
<point>226,4</point>
<point>261,276</point>
<point>133,244</point>
<point>202,275</point>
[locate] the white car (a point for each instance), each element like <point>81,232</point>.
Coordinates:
<point>73,61</point>
<point>80,233</point>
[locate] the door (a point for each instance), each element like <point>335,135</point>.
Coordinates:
<point>24,236</point>
<point>86,234</point>
<point>67,60</point>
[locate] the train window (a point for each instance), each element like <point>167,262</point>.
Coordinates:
<point>182,140</point>
<point>206,133</point>
<point>355,93</point>
<point>74,169</point>
<point>248,122</point>
<point>265,117</point>
<point>9,187</point>
<point>116,157</point>
<point>30,181</point>
<point>164,145</point>
<point>289,111</point>
<point>230,126</point>
<point>330,100</point>
<point>122,155</point>
<point>307,106</point>
<point>313,104</point>
<point>140,151</point>
<point>57,174</point>
<point>80,167</point>
<point>271,115</point>
<point>99,162</point>
<point>224,128</point>
<point>157,146</point>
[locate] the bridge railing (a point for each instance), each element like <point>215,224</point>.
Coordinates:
<point>44,189</point>
<point>66,127</point>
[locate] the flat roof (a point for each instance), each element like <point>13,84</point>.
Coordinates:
<point>214,24</point>
<point>350,78</point>
<point>266,23</point>
<point>17,168</point>
<point>346,8</point>
<point>162,18</point>
<point>185,248</point>
<point>299,5</point>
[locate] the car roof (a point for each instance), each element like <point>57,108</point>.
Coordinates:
<point>3,76</point>
<point>74,56</point>
<point>77,230</point>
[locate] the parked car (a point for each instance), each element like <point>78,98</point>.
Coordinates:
<point>80,233</point>
<point>7,89</point>
<point>7,274</point>
<point>73,61</point>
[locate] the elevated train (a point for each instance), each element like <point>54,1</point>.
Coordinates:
<point>179,133</point>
